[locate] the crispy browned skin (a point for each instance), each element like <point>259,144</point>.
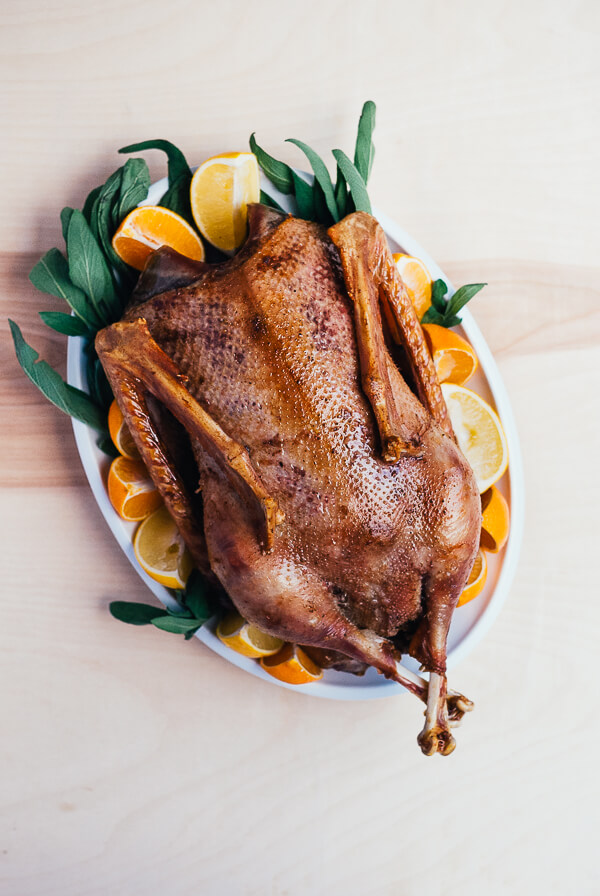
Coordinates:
<point>335,506</point>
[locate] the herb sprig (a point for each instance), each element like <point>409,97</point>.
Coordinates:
<point>196,608</point>
<point>322,200</point>
<point>443,310</point>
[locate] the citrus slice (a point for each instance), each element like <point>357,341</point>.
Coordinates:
<point>235,632</point>
<point>453,357</point>
<point>479,433</point>
<point>476,580</point>
<point>417,280</point>
<point>496,520</point>
<point>160,550</point>
<point>119,433</point>
<point>130,490</point>
<point>292,665</point>
<point>148,228</point>
<point>220,192</point>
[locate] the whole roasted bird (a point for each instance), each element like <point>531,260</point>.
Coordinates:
<point>320,485</point>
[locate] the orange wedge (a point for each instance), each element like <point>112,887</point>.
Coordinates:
<point>479,434</point>
<point>417,280</point>
<point>130,490</point>
<point>119,433</point>
<point>496,520</point>
<point>292,665</point>
<point>160,550</point>
<point>148,228</point>
<point>235,632</point>
<point>454,358</point>
<point>476,580</point>
<point>221,189</point>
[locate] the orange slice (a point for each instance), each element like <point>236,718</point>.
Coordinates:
<point>130,490</point>
<point>454,358</point>
<point>292,665</point>
<point>160,550</point>
<point>221,189</point>
<point>148,228</point>
<point>119,433</point>
<point>417,280</point>
<point>235,632</point>
<point>496,520</point>
<point>479,433</point>
<point>476,580</point>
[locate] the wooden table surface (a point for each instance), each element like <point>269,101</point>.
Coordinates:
<point>135,763</point>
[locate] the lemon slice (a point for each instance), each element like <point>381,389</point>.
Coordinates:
<point>476,580</point>
<point>221,189</point>
<point>479,433</point>
<point>235,632</point>
<point>417,280</point>
<point>292,665</point>
<point>160,550</point>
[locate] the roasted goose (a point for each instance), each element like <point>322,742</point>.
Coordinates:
<point>326,494</point>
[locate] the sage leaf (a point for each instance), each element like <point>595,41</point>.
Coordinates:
<point>65,217</point>
<point>268,200</point>
<point>135,183</point>
<point>356,184</point>
<point>196,597</point>
<point>278,173</point>
<point>88,269</point>
<point>341,195</point>
<point>51,275</point>
<point>103,222</point>
<point>438,293</point>
<point>89,203</point>
<point>135,613</point>
<point>321,175</point>
<point>67,398</point>
<point>364,152</point>
<point>176,624</point>
<point>179,173</point>
<point>462,296</point>
<point>305,198</point>
<point>432,316</point>
<point>67,324</point>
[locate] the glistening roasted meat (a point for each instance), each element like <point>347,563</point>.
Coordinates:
<point>330,500</point>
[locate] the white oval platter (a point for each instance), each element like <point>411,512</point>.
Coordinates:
<point>469,623</point>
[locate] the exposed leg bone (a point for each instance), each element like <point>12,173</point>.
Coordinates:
<point>128,349</point>
<point>435,736</point>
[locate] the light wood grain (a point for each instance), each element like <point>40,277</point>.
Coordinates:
<point>134,763</point>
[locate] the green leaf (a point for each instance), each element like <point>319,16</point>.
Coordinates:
<point>341,195</point>
<point>88,269</point>
<point>462,296</point>
<point>135,183</point>
<point>432,316</point>
<point>321,175</point>
<point>305,198</point>
<point>65,217</point>
<point>70,400</point>
<point>438,295</point>
<point>451,320</point>
<point>268,200</point>
<point>176,624</point>
<point>51,275</point>
<point>106,444</point>
<point>356,184</point>
<point>177,196</point>
<point>278,173</point>
<point>89,203</point>
<point>65,323</point>
<point>364,152</point>
<point>196,597</point>
<point>103,226</point>
<point>135,613</point>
